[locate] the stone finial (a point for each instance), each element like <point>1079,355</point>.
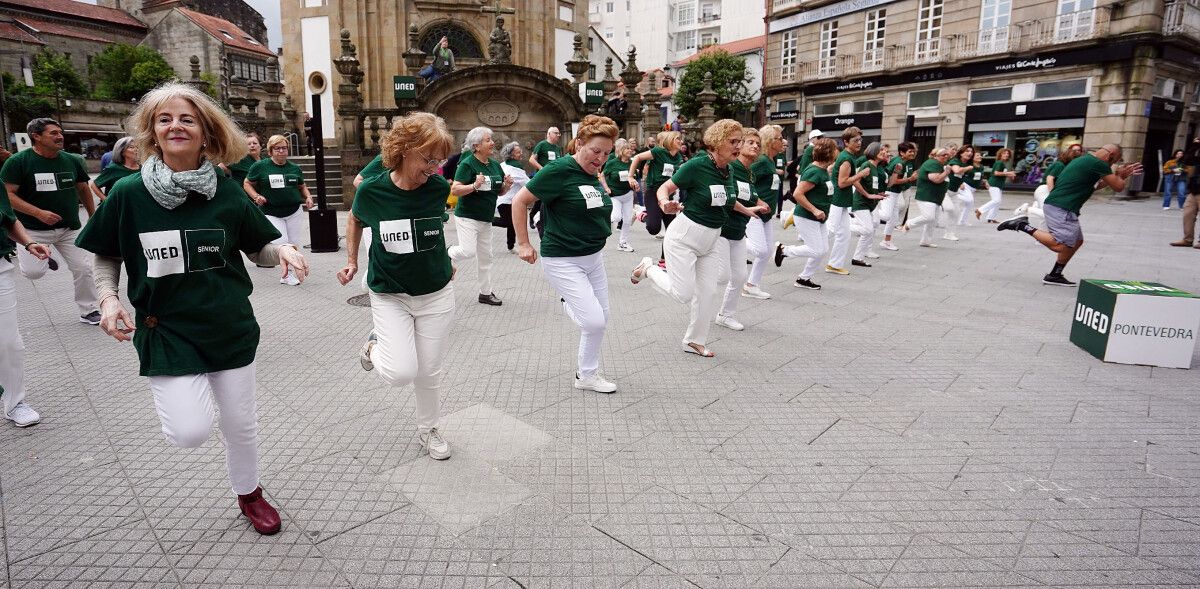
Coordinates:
<point>578,65</point>
<point>610,80</point>
<point>194,62</point>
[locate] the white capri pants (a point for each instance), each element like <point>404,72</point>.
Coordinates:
<point>735,272</point>
<point>989,208</point>
<point>815,248</point>
<point>12,347</point>
<point>760,242</point>
<point>694,264</point>
<point>79,261</point>
<point>925,220</point>
<point>838,224</point>
<point>475,241</point>
<point>185,408</point>
<point>862,224</point>
<point>291,228</point>
<point>583,284</point>
<point>623,212</point>
<point>413,336</point>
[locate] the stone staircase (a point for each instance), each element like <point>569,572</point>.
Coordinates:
<point>333,177</point>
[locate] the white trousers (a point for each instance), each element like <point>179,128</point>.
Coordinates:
<point>815,248</point>
<point>735,272</point>
<point>78,260</point>
<point>694,260</point>
<point>623,212</point>
<point>989,208</point>
<point>950,211</point>
<point>925,220</point>
<point>1036,214</point>
<point>12,347</point>
<point>966,198</point>
<point>892,209</point>
<point>475,241</point>
<point>583,284</point>
<point>291,229</point>
<point>862,224</point>
<point>760,242</point>
<point>412,338</point>
<point>838,225</point>
<point>185,408</point>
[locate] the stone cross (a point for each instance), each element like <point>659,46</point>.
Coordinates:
<point>496,10</point>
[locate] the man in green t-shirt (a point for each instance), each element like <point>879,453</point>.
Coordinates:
<point>46,186</point>
<point>1073,187</point>
<point>546,150</point>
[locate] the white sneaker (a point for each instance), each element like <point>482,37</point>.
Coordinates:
<point>364,353</point>
<point>887,245</point>
<point>23,415</point>
<point>927,244</point>
<point>661,234</point>
<point>595,383</point>
<point>435,444</point>
<point>625,247</point>
<point>872,255</point>
<point>291,280</point>
<point>950,237</point>
<point>730,322</point>
<point>754,292</point>
<point>1021,210</point>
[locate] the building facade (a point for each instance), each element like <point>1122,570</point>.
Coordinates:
<point>667,31</point>
<point>1030,75</point>
<point>751,50</point>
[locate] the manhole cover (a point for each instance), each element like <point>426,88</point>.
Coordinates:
<point>362,300</point>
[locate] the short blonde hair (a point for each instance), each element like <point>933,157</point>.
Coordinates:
<point>421,131</point>
<point>667,138</point>
<point>277,140</point>
<point>720,131</point>
<point>596,126</point>
<point>222,139</point>
<point>769,133</point>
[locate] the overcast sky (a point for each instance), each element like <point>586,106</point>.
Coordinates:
<point>270,11</point>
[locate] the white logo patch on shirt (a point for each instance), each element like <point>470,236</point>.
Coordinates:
<point>397,236</point>
<point>276,180</point>
<point>717,193</point>
<point>550,155</point>
<point>487,184</point>
<point>874,182</point>
<point>45,182</point>
<point>163,251</point>
<point>978,175</point>
<point>774,182</point>
<point>829,187</point>
<point>668,170</point>
<point>591,197</point>
<point>744,190</point>
<point>623,175</point>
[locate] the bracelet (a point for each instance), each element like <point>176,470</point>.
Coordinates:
<point>30,244</point>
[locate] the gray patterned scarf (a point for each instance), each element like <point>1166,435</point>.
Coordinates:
<point>170,188</point>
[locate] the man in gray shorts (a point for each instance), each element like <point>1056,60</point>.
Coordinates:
<point>1073,187</point>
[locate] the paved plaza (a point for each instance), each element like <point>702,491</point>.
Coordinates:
<point>921,423</point>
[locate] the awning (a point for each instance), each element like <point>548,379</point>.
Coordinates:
<point>98,128</point>
<point>1028,125</point>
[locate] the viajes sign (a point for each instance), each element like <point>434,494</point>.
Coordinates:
<point>1131,322</point>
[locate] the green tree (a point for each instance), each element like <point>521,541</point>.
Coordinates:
<point>126,72</point>
<point>21,105</point>
<point>211,85</point>
<point>53,75</point>
<point>730,78</point>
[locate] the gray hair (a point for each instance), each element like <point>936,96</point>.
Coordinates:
<point>508,149</point>
<point>873,150</point>
<point>118,152</point>
<point>619,145</point>
<point>38,126</point>
<point>475,137</point>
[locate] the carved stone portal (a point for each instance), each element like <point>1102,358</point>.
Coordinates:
<point>498,113</point>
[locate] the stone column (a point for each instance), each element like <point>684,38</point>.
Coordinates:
<point>349,113</point>
<point>652,121</point>
<point>708,115</point>
<point>631,77</point>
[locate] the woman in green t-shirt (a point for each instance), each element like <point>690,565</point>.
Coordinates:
<point>659,164</point>
<point>760,232</point>
<point>239,169</point>
<point>1001,172</point>
<point>813,196</point>
<point>695,260</point>
<point>478,183</point>
<point>577,211</point>
<point>959,197</point>
<point>615,178</point>
<point>862,208</point>
<point>180,228</point>
<point>746,209</point>
<point>277,185</point>
<point>124,162</point>
<point>408,267</point>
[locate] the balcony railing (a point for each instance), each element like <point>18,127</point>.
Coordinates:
<point>707,18</point>
<point>1019,37</point>
<point>1182,17</point>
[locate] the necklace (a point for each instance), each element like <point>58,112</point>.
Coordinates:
<point>724,172</point>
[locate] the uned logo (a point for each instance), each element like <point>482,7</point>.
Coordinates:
<point>405,86</point>
<point>1091,318</point>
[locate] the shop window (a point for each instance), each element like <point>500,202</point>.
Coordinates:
<point>827,109</point>
<point>924,98</point>
<point>827,58</point>
<point>862,106</point>
<point>1060,89</point>
<point>994,18</point>
<point>1036,149</point>
<point>873,39</point>
<point>929,30</point>
<point>990,95</point>
<point>787,57</point>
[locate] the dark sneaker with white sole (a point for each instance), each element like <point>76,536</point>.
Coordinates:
<point>1013,224</point>
<point>806,283</point>
<point>92,318</point>
<point>1057,280</point>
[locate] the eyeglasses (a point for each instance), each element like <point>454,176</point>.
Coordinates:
<point>430,161</point>
<point>280,148</point>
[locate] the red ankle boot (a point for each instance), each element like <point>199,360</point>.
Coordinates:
<point>260,513</point>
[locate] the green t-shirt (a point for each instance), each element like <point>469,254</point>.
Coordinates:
<point>408,253</point>
<point>7,218</point>
<point>821,195</point>
<point>1075,185</point>
<point>903,169</point>
<point>616,174</point>
<point>663,166</point>
<point>974,178</point>
<point>766,183</point>
<point>1055,169</point>
<point>954,181</point>
<point>576,210</point>
<point>481,204</point>
<point>710,191</point>
<point>186,277</point>
<point>241,169</point>
<point>998,181</point>
<point>280,185</point>
<point>743,184</point>
<point>110,175</point>
<point>546,152</point>
<point>48,184</point>
<point>927,190</point>
<point>875,183</point>
<point>842,197</point>
<point>373,168</point>
<point>806,158</point>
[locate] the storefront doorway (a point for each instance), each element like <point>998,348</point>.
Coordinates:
<point>926,139</point>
